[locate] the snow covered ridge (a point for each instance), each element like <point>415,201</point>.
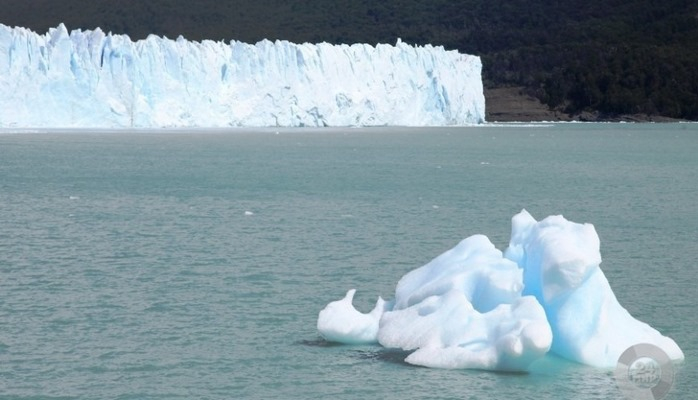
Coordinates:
<point>474,307</point>
<point>93,79</point>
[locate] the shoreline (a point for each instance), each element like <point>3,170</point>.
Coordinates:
<point>512,104</point>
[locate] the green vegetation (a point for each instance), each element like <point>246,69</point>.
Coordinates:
<point>607,56</point>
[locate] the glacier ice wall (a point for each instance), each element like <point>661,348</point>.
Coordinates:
<point>93,79</point>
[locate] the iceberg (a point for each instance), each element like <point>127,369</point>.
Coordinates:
<point>96,79</point>
<point>476,307</point>
<point>560,260</point>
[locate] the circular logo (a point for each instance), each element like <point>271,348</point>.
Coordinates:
<point>644,372</point>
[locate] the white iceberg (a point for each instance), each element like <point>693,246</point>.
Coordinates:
<point>464,309</point>
<point>92,79</point>
<point>340,322</point>
<point>472,307</point>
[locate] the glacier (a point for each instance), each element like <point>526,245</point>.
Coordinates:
<point>477,307</point>
<point>94,79</point>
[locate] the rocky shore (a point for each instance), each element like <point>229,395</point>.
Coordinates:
<point>512,104</point>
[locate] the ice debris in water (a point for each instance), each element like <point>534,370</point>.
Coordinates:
<point>474,307</point>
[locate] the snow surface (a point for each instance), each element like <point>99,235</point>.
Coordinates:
<point>474,307</point>
<point>93,79</point>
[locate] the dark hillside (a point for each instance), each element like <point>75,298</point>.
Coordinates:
<point>606,57</point>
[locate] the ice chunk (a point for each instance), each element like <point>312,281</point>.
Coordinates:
<point>340,322</point>
<point>92,79</point>
<point>464,310</point>
<point>473,307</point>
<point>561,261</point>
<point>508,338</point>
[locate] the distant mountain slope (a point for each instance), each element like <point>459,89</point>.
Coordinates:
<point>605,56</point>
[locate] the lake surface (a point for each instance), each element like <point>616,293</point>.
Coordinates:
<point>193,264</point>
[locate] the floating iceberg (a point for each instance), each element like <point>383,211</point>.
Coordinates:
<point>560,260</point>
<point>474,307</point>
<point>93,79</point>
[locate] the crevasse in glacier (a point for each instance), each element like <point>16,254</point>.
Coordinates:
<point>93,79</point>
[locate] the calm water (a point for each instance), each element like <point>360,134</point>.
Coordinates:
<point>139,265</point>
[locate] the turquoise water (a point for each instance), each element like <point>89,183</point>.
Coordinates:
<point>176,264</point>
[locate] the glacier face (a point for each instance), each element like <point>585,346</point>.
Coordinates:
<point>93,79</point>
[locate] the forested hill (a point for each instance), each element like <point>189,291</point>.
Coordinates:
<point>606,56</point>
